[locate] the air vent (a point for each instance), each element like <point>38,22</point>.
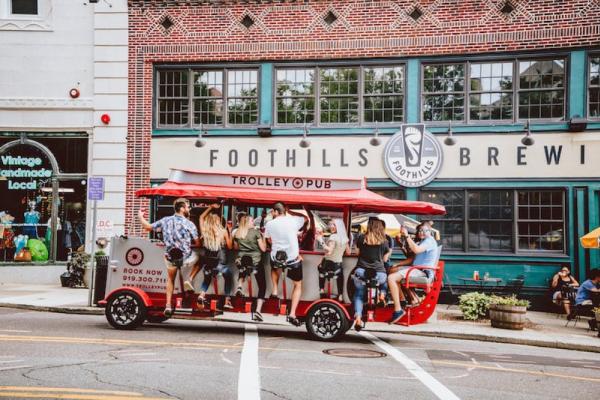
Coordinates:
<point>507,8</point>
<point>416,13</point>
<point>167,23</point>
<point>247,21</point>
<point>330,18</point>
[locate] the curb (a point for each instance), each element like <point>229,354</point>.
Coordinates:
<point>440,334</point>
<point>57,309</point>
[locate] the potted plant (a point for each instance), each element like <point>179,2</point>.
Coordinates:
<point>508,312</point>
<point>474,305</point>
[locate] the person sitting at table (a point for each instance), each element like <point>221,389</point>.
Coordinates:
<point>562,281</point>
<point>588,295</point>
<point>425,256</point>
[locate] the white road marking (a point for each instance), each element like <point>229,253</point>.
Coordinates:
<point>249,377</point>
<point>14,330</point>
<point>137,354</point>
<point>227,360</point>
<point>10,361</point>
<point>441,391</point>
<point>15,367</point>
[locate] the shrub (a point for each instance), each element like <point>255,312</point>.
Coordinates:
<point>509,301</point>
<point>474,305</point>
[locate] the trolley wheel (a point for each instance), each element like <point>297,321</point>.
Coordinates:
<point>125,310</point>
<point>326,322</point>
<point>156,319</point>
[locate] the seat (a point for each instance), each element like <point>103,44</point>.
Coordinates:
<point>578,311</point>
<point>514,286</point>
<point>421,282</point>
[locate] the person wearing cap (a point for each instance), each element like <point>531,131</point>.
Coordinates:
<point>425,251</point>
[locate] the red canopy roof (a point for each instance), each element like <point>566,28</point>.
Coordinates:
<point>343,193</point>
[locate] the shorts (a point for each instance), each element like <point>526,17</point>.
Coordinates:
<point>294,272</point>
<point>555,297</point>
<point>190,261</point>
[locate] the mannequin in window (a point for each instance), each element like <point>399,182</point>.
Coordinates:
<point>48,236</point>
<point>32,217</point>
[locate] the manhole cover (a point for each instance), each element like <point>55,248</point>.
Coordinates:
<point>354,353</point>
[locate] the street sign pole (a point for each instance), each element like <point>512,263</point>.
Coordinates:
<point>95,193</point>
<point>93,258</point>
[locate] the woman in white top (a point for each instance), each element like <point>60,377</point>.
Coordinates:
<point>335,247</point>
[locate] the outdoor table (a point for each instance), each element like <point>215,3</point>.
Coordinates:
<point>481,282</point>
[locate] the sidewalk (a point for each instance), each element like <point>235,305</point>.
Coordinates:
<point>543,329</point>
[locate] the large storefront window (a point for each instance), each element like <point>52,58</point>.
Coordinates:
<point>594,87</point>
<point>27,201</point>
<point>500,220</point>
<point>345,95</point>
<point>190,97</point>
<point>495,91</point>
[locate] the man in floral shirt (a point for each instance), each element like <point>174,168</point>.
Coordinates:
<point>179,234</point>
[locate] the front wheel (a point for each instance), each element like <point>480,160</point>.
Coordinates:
<point>326,322</point>
<point>125,310</point>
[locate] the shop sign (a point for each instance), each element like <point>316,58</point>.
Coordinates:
<point>264,181</point>
<point>412,157</point>
<point>26,173</point>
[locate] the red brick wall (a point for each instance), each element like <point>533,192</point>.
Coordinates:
<point>296,30</point>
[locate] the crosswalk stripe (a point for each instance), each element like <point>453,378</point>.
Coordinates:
<point>249,377</point>
<point>441,391</point>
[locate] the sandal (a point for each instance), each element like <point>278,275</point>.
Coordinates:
<point>257,316</point>
<point>201,301</point>
<point>359,326</point>
<point>274,297</point>
<point>294,321</point>
<point>239,292</point>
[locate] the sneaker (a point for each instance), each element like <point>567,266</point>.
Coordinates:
<point>257,316</point>
<point>592,324</point>
<point>274,297</point>
<point>227,305</point>
<point>340,298</point>
<point>168,311</point>
<point>396,316</point>
<point>239,292</point>
<point>188,287</point>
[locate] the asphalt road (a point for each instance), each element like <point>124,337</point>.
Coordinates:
<point>48,355</point>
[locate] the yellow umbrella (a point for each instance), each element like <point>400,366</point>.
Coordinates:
<point>591,240</point>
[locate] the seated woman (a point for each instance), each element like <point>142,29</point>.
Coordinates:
<point>335,247</point>
<point>373,251</point>
<point>214,238</point>
<point>250,243</point>
<point>561,282</point>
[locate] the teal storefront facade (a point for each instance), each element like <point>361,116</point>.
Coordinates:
<point>488,171</point>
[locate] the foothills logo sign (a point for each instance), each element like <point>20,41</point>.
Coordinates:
<point>412,157</point>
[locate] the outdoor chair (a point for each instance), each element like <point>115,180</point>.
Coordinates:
<point>578,311</point>
<point>514,286</point>
<point>455,292</point>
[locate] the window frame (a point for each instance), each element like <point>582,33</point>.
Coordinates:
<point>516,88</point>
<point>588,75</point>
<point>361,95</point>
<point>515,251</point>
<point>190,85</point>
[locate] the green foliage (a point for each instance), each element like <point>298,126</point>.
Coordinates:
<point>99,253</point>
<point>474,305</point>
<point>509,301</point>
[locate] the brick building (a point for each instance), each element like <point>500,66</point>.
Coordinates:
<point>490,71</point>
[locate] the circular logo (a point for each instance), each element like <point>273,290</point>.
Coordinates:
<point>412,157</point>
<point>134,256</point>
<point>297,183</point>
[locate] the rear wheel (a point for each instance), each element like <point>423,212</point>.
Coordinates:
<point>125,310</point>
<point>326,322</point>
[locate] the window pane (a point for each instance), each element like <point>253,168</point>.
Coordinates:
<point>451,224</point>
<point>540,224</point>
<point>384,109</point>
<point>208,112</point>
<point>28,7</point>
<point>384,80</point>
<point>339,110</point>
<point>295,96</point>
<point>541,104</point>
<point>490,236</point>
<point>380,81</point>
<point>490,106</point>
<point>444,107</point>
<point>242,97</point>
<point>208,84</point>
<point>594,88</point>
